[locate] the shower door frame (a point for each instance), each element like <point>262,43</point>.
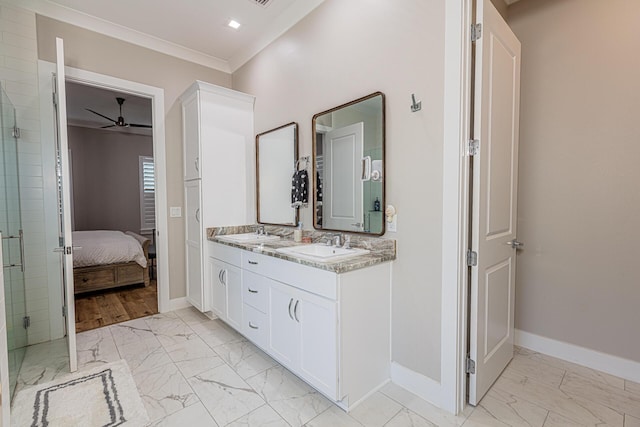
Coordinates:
<point>13,247</point>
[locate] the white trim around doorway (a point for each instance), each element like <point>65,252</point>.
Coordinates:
<point>156,95</point>
<point>455,212</point>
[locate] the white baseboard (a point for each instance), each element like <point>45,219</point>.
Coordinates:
<point>418,384</point>
<point>614,365</point>
<point>178,303</point>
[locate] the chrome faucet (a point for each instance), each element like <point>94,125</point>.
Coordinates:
<point>333,239</point>
<point>347,242</point>
<point>260,230</point>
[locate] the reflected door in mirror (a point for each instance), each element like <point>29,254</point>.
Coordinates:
<point>343,208</point>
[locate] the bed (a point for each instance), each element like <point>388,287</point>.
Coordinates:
<point>109,259</point>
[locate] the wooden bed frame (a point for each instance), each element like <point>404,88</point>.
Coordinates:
<point>100,277</point>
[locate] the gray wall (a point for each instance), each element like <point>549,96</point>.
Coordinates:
<point>91,51</point>
<point>579,197</point>
<point>106,178</point>
<point>342,51</point>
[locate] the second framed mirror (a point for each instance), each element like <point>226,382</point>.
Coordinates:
<point>349,169</point>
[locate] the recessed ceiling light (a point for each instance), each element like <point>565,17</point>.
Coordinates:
<point>234,24</point>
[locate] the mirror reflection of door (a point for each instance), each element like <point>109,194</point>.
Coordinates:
<point>342,188</point>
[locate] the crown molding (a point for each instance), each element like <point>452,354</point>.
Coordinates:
<point>279,26</point>
<point>290,17</point>
<point>92,23</point>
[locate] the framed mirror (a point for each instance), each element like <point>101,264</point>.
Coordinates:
<point>276,154</point>
<point>349,169</point>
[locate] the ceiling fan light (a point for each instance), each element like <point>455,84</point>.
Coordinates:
<point>234,24</point>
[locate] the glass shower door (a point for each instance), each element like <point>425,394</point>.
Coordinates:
<point>12,241</point>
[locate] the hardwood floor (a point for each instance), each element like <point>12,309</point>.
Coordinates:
<point>97,309</point>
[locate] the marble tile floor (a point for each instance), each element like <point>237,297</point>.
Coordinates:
<point>194,371</point>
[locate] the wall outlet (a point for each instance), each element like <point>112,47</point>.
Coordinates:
<point>175,211</point>
<point>393,225</point>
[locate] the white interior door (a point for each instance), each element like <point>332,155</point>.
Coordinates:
<point>64,199</point>
<point>495,186</point>
<point>342,189</point>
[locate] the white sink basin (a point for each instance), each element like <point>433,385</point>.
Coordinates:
<point>248,238</point>
<point>321,252</point>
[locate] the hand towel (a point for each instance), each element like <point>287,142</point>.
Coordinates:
<point>300,189</point>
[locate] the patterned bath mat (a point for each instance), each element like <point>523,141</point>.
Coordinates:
<point>103,396</point>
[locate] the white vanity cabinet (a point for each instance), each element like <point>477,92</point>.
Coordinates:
<point>218,174</point>
<point>225,281</point>
<point>332,330</point>
<point>303,335</point>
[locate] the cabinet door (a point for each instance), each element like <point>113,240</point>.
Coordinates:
<point>194,276</point>
<point>233,282</point>
<point>194,231</point>
<point>191,136</point>
<point>318,341</point>
<point>195,289</point>
<point>218,290</point>
<point>284,330</point>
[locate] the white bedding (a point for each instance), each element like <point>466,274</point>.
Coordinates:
<point>106,247</point>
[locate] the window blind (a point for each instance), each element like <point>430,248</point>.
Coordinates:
<point>147,194</point>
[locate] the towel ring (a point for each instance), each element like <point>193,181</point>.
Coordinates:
<point>304,159</point>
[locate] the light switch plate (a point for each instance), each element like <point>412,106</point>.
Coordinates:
<point>175,211</point>
<point>393,225</point>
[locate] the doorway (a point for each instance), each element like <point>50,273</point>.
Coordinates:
<point>156,97</point>
<point>112,192</point>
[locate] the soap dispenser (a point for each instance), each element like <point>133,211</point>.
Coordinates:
<point>297,233</point>
<point>376,204</point>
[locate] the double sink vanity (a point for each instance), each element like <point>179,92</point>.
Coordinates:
<point>321,311</point>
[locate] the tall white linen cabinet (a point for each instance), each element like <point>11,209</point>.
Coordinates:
<point>219,173</point>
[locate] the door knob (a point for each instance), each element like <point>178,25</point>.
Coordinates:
<point>515,244</point>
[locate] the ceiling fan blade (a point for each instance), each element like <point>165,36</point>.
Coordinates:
<point>101,115</point>
<point>107,126</point>
<point>133,125</point>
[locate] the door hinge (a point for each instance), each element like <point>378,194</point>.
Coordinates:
<point>64,311</point>
<point>472,258</point>
<point>473,146</point>
<point>470,366</point>
<point>476,32</point>
<point>26,321</point>
<point>54,99</point>
<point>15,132</point>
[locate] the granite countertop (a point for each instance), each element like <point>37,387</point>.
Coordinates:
<point>381,250</point>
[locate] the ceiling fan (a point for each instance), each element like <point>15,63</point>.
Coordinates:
<point>120,122</point>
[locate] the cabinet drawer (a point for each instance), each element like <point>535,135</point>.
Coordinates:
<point>255,326</point>
<point>130,274</point>
<point>310,279</point>
<point>96,278</point>
<point>255,291</point>
<point>225,253</point>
